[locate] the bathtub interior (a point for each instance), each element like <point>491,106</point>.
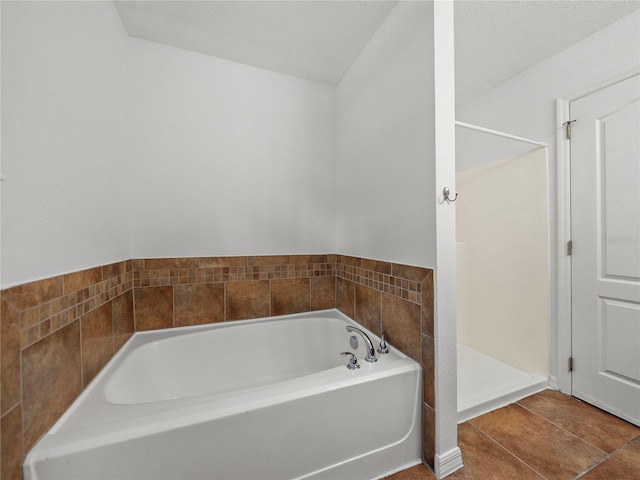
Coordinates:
<point>215,361</point>
<point>325,420</point>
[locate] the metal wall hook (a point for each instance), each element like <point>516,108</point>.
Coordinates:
<point>445,193</point>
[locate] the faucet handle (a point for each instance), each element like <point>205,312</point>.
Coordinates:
<point>353,361</point>
<point>383,345</point>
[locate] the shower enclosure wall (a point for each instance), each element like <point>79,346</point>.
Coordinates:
<point>502,276</point>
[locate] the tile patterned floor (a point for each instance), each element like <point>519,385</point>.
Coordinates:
<point>548,435</point>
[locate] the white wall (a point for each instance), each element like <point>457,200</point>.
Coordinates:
<point>525,106</point>
<point>224,158</point>
<point>502,258</point>
<point>385,143</point>
<point>227,159</point>
<point>63,138</point>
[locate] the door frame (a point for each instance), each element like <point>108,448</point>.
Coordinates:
<point>563,377</point>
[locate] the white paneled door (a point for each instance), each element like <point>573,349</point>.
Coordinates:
<point>605,233</point>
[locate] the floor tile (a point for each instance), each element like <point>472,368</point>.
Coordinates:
<point>631,455</point>
<point>419,472</point>
<point>485,459</point>
<point>543,436</point>
<point>545,447</point>
<point>624,464</point>
<point>591,424</point>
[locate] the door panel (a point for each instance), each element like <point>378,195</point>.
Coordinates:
<point>605,212</point>
<point>621,328</point>
<point>619,134</point>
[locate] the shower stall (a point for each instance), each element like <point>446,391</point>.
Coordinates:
<point>502,235</point>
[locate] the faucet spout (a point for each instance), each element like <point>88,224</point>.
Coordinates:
<point>371,352</point>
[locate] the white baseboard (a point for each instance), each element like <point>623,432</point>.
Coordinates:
<point>448,462</point>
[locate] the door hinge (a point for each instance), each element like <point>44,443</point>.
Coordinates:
<point>570,247</point>
<point>571,364</point>
<point>568,125</point>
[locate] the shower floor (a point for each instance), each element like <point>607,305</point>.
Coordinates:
<point>485,383</point>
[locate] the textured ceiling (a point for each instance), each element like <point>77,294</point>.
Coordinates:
<point>316,40</point>
<point>319,40</point>
<point>496,40</point>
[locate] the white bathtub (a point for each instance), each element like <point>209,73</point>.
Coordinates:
<point>260,399</point>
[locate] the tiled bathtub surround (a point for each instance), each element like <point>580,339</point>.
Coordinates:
<point>56,335</point>
<point>59,332</point>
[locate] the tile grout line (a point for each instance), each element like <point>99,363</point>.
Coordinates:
<point>561,428</point>
<point>607,457</point>
<point>507,450</point>
<point>20,404</point>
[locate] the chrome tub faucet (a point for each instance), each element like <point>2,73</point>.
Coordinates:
<point>371,352</point>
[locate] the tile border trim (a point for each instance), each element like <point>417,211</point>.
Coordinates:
<point>44,310</point>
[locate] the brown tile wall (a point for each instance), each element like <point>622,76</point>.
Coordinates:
<point>172,292</point>
<point>59,332</point>
<point>56,335</point>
